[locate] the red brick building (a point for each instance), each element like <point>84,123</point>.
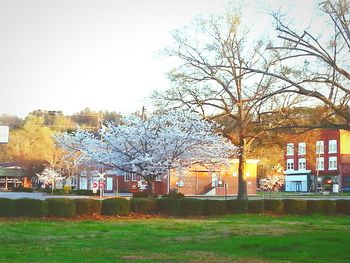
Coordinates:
<point>224,181</point>
<point>321,154</point>
<point>197,180</point>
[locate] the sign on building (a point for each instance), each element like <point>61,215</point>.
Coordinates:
<point>4,134</point>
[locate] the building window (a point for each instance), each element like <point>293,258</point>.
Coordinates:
<point>332,146</point>
<point>302,148</point>
<point>290,164</point>
<point>319,147</point>
<point>302,164</point>
<point>127,177</point>
<point>158,178</point>
<point>332,163</point>
<point>133,177</point>
<point>320,164</point>
<point>290,149</point>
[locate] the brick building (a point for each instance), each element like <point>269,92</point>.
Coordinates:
<point>197,180</point>
<point>224,181</point>
<point>319,155</point>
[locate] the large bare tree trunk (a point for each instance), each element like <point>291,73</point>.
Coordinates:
<point>242,183</point>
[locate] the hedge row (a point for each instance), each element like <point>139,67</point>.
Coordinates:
<point>59,207</point>
<point>64,207</point>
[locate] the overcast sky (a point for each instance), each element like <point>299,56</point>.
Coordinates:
<point>70,54</point>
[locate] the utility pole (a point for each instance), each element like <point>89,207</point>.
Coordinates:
<point>318,149</point>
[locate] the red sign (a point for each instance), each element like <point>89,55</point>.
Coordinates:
<point>94,185</point>
<point>101,184</point>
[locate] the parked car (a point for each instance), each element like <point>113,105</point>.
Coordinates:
<point>344,189</point>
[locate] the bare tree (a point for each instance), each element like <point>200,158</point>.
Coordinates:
<point>214,78</point>
<point>315,64</point>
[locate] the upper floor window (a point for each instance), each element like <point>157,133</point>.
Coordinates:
<point>127,177</point>
<point>158,178</point>
<point>302,164</point>
<point>320,164</point>
<point>332,163</point>
<point>302,148</point>
<point>290,149</point>
<point>319,147</point>
<point>133,177</point>
<point>332,146</point>
<point>290,164</point>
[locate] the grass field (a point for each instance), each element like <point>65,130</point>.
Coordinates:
<point>241,238</point>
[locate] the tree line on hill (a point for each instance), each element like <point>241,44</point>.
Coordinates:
<point>32,145</point>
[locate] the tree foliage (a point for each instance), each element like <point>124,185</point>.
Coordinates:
<point>150,146</point>
<point>49,177</point>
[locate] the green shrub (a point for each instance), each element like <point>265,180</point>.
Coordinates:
<point>144,195</point>
<point>213,207</point>
<point>329,207</point>
<point>7,207</point>
<point>58,192</point>
<point>190,206</point>
<point>31,207</point>
<point>61,207</point>
<point>294,206</point>
<point>67,189</point>
<point>115,206</point>
<point>45,190</point>
<point>237,206</point>
<point>168,206</point>
<point>314,206</point>
<point>85,192</point>
<point>87,207</point>
<point>174,194</point>
<point>274,206</point>
<point>343,207</point>
<point>143,205</point>
<point>256,206</point>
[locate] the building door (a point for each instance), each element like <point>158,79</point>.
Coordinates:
<point>214,179</point>
<point>298,186</point>
<point>109,184</point>
<point>83,183</point>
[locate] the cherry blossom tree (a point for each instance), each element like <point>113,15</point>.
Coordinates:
<point>151,146</point>
<point>274,181</point>
<point>49,176</point>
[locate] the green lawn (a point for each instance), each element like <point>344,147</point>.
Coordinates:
<point>241,238</point>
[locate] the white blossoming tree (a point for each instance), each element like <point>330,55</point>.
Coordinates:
<point>152,146</point>
<point>49,176</point>
<point>274,181</point>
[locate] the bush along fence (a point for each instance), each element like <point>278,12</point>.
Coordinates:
<point>65,207</point>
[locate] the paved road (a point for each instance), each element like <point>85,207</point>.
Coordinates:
<point>43,196</point>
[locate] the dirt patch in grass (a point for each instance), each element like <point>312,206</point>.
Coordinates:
<point>154,257</point>
<point>210,257</point>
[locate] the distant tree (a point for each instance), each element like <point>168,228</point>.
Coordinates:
<point>63,123</point>
<point>151,146</point>
<point>48,116</point>
<point>88,118</point>
<point>49,177</point>
<point>32,145</point>
<point>274,181</point>
<point>112,116</point>
<point>12,121</point>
